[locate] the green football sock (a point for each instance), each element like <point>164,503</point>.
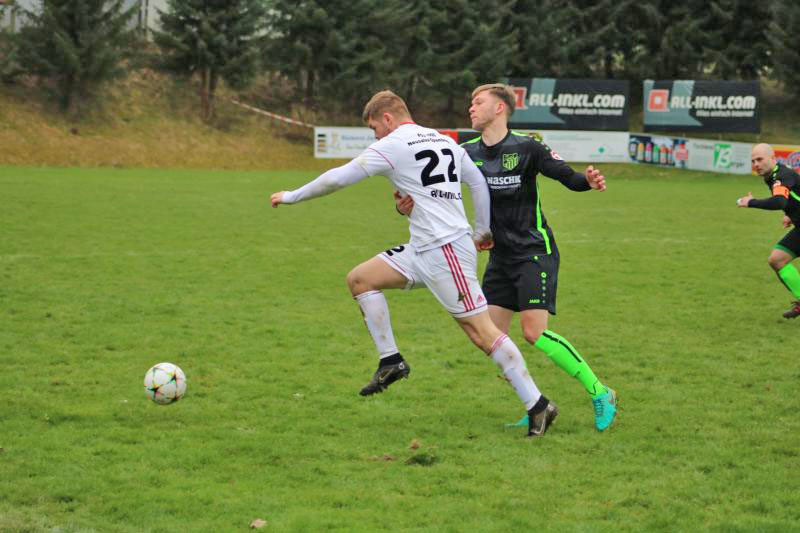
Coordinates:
<point>569,360</point>
<point>791,278</point>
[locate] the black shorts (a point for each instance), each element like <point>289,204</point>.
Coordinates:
<point>790,243</point>
<point>520,284</point>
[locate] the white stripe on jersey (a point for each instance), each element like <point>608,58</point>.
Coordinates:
<point>427,165</point>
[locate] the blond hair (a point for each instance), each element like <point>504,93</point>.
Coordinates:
<point>385,102</point>
<point>503,92</point>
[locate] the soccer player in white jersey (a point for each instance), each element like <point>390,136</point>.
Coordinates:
<point>441,254</point>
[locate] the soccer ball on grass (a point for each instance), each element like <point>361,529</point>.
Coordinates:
<point>165,383</point>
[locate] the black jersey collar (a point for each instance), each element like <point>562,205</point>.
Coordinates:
<point>494,149</point>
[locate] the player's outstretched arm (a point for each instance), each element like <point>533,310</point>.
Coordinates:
<point>773,203</point>
<point>330,181</point>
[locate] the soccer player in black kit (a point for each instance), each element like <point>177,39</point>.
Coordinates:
<point>784,184</point>
<point>522,274</point>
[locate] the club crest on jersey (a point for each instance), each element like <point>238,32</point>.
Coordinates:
<point>510,161</point>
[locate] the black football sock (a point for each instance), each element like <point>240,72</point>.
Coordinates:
<point>391,360</point>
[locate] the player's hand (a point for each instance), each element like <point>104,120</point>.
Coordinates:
<point>277,198</point>
<point>403,204</point>
<point>744,200</point>
<point>787,222</point>
<point>484,241</point>
<point>596,180</point>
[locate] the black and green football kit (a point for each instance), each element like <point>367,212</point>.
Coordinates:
<point>522,273</point>
<point>784,183</point>
<point>523,265</point>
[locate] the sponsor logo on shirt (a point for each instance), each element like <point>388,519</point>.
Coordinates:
<point>504,182</point>
<point>447,195</point>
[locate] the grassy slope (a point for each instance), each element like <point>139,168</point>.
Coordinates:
<point>147,121</point>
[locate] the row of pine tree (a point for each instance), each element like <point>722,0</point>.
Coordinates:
<point>334,52</point>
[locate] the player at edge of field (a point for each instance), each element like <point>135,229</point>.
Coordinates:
<point>441,255</point>
<point>784,184</point>
<point>522,272</point>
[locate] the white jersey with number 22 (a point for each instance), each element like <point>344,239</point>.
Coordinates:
<point>425,164</point>
<point>429,166</point>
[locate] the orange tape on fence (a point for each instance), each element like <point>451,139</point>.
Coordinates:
<point>273,115</point>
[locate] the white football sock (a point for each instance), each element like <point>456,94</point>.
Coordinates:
<point>508,357</point>
<point>376,315</point>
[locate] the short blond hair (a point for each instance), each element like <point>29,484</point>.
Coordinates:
<point>503,92</point>
<point>385,102</point>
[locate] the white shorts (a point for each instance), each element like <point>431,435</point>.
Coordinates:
<point>449,271</point>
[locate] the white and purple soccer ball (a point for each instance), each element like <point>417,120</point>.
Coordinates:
<point>165,383</point>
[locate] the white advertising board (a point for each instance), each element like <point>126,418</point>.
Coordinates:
<point>588,146</point>
<point>580,146</point>
<point>719,156</point>
<point>585,146</point>
<point>341,143</point>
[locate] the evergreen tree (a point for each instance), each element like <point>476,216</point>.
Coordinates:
<point>340,51</point>
<point>79,44</point>
<point>538,34</point>
<point>307,40</point>
<point>9,64</point>
<point>783,38</point>
<point>9,58</point>
<point>214,39</point>
<point>586,37</point>
<point>416,64</point>
<point>346,50</point>
<point>741,48</point>
<point>469,46</point>
<point>672,40</point>
<point>371,53</point>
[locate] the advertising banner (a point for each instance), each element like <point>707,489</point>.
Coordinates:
<point>568,104</point>
<point>584,146</point>
<point>692,154</point>
<point>588,146</point>
<point>341,143</point>
<point>788,155</point>
<point>658,150</point>
<point>702,105</point>
<point>720,156</point>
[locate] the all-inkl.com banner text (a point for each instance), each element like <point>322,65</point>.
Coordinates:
<point>702,105</point>
<point>570,104</point>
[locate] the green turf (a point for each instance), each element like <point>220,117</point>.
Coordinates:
<point>664,289</point>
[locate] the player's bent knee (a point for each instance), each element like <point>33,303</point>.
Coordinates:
<point>480,330</point>
<point>778,261</point>
<point>356,282</point>
<point>532,333</point>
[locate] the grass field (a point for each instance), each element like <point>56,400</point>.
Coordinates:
<point>664,288</point>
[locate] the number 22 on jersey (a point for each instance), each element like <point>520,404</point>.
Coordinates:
<point>429,179</point>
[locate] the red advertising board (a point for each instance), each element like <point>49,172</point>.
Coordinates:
<point>788,155</point>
